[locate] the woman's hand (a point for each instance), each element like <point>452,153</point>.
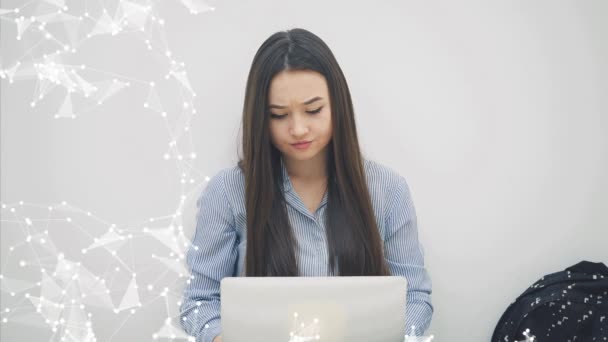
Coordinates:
<point>218,338</point>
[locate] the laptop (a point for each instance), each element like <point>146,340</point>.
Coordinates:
<point>297,309</point>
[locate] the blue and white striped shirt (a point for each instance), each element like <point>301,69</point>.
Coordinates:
<point>219,242</point>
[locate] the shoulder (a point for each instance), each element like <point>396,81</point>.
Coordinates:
<point>382,176</point>
<point>386,187</point>
<point>228,185</point>
<point>232,177</point>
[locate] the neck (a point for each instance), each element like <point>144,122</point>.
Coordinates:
<point>312,170</point>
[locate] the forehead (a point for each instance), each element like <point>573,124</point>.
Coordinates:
<point>296,86</point>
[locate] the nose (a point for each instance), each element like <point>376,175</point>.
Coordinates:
<point>299,125</point>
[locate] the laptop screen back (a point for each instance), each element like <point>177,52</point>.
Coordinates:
<point>347,309</point>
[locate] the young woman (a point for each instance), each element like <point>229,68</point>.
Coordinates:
<point>302,201</point>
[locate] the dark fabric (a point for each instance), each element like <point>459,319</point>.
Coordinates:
<point>569,306</point>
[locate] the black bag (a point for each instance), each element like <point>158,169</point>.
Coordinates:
<point>568,306</point>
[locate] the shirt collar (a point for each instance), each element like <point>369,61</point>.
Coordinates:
<point>292,197</point>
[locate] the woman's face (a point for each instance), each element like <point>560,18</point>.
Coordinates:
<point>299,111</point>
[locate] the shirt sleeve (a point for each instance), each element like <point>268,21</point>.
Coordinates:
<point>211,257</point>
<point>405,257</point>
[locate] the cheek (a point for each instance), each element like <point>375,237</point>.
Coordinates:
<point>275,133</point>
<point>327,125</point>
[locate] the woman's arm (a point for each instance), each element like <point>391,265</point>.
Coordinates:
<point>211,257</point>
<point>405,257</point>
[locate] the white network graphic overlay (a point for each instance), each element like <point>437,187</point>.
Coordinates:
<point>67,297</point>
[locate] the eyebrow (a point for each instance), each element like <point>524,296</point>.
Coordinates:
<point>316,98</point>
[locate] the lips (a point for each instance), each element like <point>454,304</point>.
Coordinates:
<point>301,146</point>
<point>301,143</point>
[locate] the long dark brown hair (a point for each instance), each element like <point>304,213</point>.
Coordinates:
<point>353,240</point>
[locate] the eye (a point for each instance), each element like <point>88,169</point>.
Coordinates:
<point>315,111</point>
<point>274,116</point>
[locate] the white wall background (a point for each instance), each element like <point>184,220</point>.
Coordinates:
<point>495,112</point>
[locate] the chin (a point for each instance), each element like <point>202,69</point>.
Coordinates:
<point>300,156</point>
<point>304,155</point>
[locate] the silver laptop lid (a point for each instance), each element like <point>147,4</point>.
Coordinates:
<point>335,309</point>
